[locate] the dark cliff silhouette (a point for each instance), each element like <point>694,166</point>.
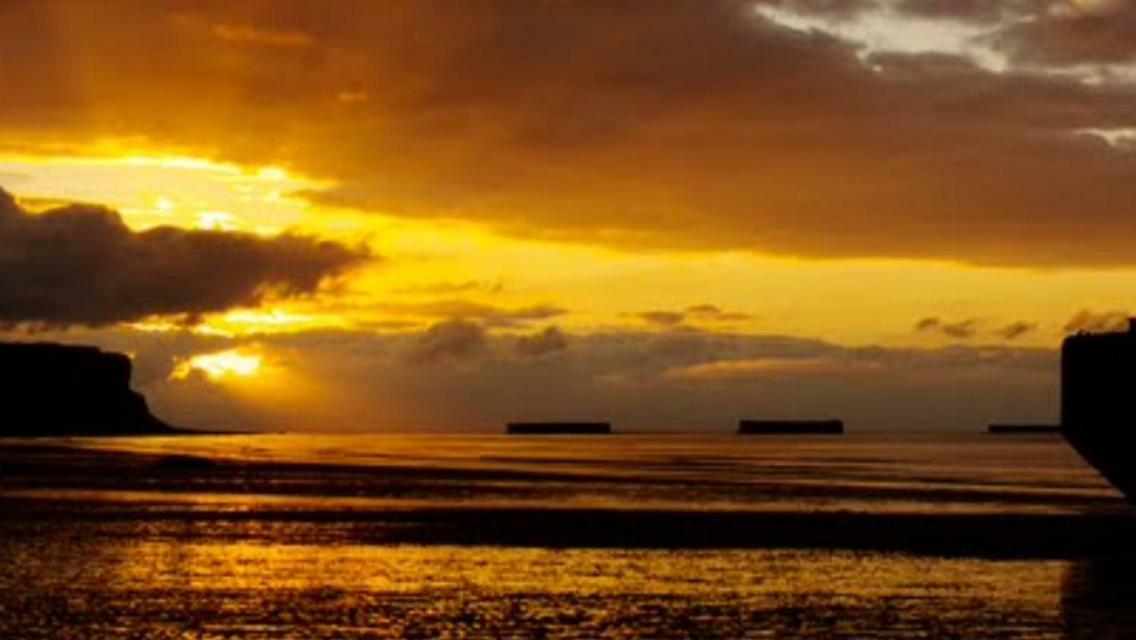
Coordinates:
<point>56,390</point>
<point>1098,403</point>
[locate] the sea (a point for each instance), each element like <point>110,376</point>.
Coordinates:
<point>623,536</point>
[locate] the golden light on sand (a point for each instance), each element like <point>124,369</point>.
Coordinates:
<point>233,363</point>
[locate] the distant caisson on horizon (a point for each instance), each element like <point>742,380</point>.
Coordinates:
<point>790,427</point>
<point>1098,402</point>
<point>557,428</point>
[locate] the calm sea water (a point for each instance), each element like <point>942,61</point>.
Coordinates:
<point>628,536</point>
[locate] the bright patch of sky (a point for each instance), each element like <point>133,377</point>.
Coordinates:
<point>887,30</point>
<point>884,28</point>
<point>1122,139</point>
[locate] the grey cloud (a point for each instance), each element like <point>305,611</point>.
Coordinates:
<point>703,313</point>
<point>1033,33</point>
<point>550,340</point>
<point>713,313</point>
<point>973,328</point>
<point>977,10</point>
<point>832,8</point>
<point>878,361</point>
<point>1016,330</point>
<point>81,265</point>
<point>664,318</point>
<point>449,340</point>
<point>959,387</point>
<point>960,330</point>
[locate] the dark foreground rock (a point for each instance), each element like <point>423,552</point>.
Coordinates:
<point>1098,406</point>
<point>58,390</point>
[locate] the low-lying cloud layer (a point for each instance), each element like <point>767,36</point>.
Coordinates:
<point>706,314</point>
<point>973,328</point>
<point>457,375</point>
<point>81,265</point>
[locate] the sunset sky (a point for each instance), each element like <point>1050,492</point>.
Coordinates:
<point>412,215</point>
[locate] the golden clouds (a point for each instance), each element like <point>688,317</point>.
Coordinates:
<point>584,194</point>
<point>696,125</point>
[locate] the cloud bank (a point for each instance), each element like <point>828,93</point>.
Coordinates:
<point>81,265</point>
<point>455,375</point>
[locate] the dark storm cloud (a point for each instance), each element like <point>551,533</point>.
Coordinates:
<point>81,265</point>
<point>696,124</point>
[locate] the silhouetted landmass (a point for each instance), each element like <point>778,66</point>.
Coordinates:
<point>1098,403</point>
<point>1022,429</point>
<point>790,427</point>
<point>557,428</point>
<point>58,390</point>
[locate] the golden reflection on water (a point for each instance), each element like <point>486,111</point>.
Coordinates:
<point>119,588</point>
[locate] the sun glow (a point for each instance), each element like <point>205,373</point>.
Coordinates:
<point>234,363</point>
<point>155,189</point>
<point>217,221</point>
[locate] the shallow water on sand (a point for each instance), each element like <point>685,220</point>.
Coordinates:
<point>354,537</point>
<point>865,473</point>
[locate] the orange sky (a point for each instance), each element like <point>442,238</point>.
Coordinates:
<point>447,214</point>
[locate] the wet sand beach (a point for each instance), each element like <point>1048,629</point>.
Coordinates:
<point>389,536</point>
